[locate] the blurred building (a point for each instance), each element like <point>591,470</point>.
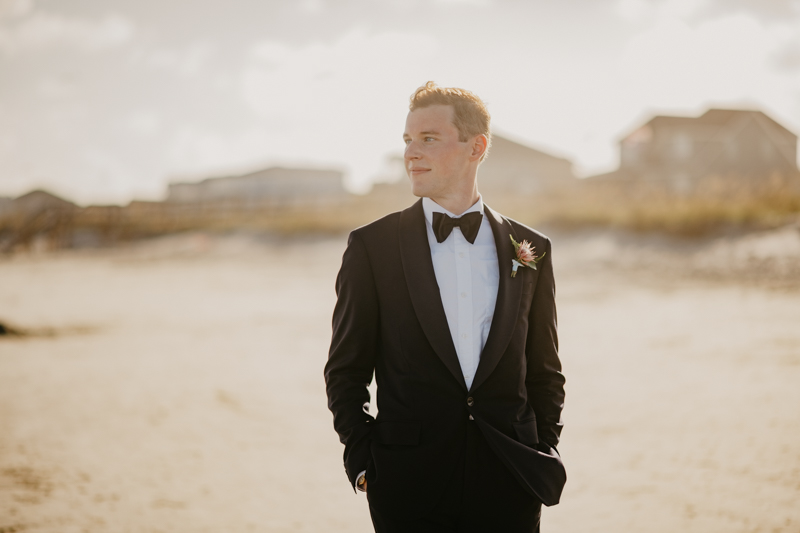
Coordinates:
<point>38,220</point>
<point>273,186</point>
<point>511,170</point>
<point>6,205</point>
<point>37,202</point>
<point>517,169</point>
<point>735,145</point>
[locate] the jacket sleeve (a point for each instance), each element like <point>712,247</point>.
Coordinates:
<point>544,380</point>
<point>351,360</point>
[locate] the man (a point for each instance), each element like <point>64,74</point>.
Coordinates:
<point>455,315</point>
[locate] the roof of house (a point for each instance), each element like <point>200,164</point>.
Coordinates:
<point>503,142</point>
<point>39,198</point>
<point>269,173</point>
<point>716,119</point>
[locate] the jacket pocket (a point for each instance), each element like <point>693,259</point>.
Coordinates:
<point>526,432</point>
<point>396,433</point>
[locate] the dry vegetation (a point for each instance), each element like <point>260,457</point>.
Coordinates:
<point>710,209</point>
<point>656,210</point>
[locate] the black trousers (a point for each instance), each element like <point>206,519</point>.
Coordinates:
<point>481,497</point>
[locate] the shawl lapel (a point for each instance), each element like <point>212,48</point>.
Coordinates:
<point>415,253</point>
<point>509,296</point>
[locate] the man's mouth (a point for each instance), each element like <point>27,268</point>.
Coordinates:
<point>417,170</point>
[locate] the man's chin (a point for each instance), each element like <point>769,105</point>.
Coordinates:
<point>419,191</point>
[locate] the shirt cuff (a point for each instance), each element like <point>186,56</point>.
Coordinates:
<point>358,478</point>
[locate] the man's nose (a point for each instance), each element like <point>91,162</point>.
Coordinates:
<point>412,151</point>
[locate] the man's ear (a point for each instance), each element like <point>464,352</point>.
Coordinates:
<point>479,145</point>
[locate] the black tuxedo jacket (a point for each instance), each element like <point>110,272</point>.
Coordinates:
<point>389,319</point>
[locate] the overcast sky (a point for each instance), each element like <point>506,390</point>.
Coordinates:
<point>107,100</point>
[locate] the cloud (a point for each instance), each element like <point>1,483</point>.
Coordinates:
<point>312,7</point>
<point>650,10</point>
<point>8,145</point>
<point>144,123</point>
<point>107,174</point>
<point>770,10</point>
<point>195,150</point>
<point>55,87</point>
<point>478,3</point>
<point>675,65</point>
<point>186,61</point>
<point>639,11</point>
<point>43,29</point>
<point>13,9</point>
<point>788,58</point>
<point>333,96</point>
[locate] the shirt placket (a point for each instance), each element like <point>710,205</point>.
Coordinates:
<point>465,298</point>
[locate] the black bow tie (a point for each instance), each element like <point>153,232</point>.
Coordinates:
<point>470,224</point>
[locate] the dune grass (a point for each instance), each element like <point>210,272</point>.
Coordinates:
<point>659,211</point>
<point>580,206</point>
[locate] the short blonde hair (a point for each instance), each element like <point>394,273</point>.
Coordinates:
<point>470,116</point>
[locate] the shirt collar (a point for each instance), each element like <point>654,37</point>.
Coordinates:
<point>430,207</point>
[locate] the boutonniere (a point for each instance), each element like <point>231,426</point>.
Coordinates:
<point>524,256</point>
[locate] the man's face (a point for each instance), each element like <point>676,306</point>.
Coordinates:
<point>436,161</point>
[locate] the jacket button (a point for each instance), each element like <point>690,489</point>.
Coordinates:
<point>470,401</point>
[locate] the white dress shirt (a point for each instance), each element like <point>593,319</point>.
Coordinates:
<point>468,276</point>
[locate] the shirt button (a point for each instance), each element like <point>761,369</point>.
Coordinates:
<point>470,401</point>
<point>461,254</point>
<point>463,294</point>
<point>464,335</point>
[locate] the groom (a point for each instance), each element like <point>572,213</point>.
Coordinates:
<point>456,317</point>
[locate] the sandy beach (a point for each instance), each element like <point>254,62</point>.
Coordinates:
<point>175,385</point>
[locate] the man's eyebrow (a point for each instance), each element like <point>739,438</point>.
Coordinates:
<point>422,133</point>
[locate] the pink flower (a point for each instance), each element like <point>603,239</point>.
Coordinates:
<point>525,253</point>
<point>525,256</point>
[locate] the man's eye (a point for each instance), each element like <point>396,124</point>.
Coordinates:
<point>428,139</point>
<point>406,141</point>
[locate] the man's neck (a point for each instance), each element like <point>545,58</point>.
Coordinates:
<point>458,203</point>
